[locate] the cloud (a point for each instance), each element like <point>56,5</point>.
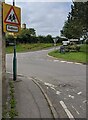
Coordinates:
<point>42,0</point>
<point>45,17</point>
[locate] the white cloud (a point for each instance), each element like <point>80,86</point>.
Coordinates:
<point>42,0</point>
<point>45,17</point>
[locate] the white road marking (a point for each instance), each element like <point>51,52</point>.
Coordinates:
<point>78,63</point>
<point>85,101</point>
<point>66,110</point>
<point>63,61</point>
<point>56,60</point>
<point>75,109</point>
<point>69,62</point>
<point>50,85</point>
<point>79,93</point>
<point>52,88</point>
<point>71,96</point>
<point>58,92</point>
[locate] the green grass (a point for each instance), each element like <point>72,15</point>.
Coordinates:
<point>28,47</point>
<point>71,56</point>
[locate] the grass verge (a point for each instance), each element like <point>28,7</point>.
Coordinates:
<point>72,56</point>
<point>28,47</point>
<point>10,107</point>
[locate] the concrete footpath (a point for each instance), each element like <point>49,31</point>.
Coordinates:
<point>31,102</point>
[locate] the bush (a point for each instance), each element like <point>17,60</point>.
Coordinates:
<point>78,48</point>
<point>72,47</point>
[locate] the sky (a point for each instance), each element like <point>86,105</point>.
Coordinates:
<point>45,17</point>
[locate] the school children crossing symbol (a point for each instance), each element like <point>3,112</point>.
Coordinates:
<point>12,17</point>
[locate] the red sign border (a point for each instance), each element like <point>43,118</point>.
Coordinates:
<point>15,15</point>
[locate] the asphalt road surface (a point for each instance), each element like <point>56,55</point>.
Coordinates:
<point>64,82</point>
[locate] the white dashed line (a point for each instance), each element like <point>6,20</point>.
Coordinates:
<point>70,62</point>
<point>78,63</point>
<point>79,93</point>
<point>66,110</point>
<point>50,85</point>
<point>52,88</point>
<point>63,61</point>
<point>56,60</point>
<point>85,101</point>
<point>58,92</point>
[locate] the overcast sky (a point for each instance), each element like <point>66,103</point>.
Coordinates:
<point>45,17</point>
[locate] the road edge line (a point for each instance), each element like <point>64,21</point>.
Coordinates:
<point>66,61</point>
<point>53,111</point>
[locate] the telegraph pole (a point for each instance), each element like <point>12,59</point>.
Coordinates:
<point>14,58</point>
<point>3,58</point>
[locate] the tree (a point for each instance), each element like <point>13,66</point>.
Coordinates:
<point>49,39</point>
<point>26,35</point>
<point>32,31</point>
<point>77,20</point>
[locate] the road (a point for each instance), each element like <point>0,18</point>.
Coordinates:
<point>64,82</point>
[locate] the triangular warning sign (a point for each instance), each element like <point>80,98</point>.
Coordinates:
<point>12,17</point>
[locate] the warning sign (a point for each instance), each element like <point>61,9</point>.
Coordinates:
<point>11,18</point>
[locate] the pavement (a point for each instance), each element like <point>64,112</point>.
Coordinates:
<point>31,101</point>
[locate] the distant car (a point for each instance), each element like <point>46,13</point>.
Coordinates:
<point>65,42</point>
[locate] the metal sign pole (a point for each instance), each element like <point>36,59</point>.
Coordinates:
<point>14,58</point>
<point>12,23</point>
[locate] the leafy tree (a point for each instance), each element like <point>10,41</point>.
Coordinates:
<point>49,39</point>
<point>32,32</point>
<point>26,35</point>
<point>77,21</point>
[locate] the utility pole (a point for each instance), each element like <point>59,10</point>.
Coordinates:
<point>2,61</point>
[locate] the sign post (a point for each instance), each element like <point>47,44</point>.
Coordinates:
<point>55,40</point>
<point>12,24</point>
<point>14,58</point>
